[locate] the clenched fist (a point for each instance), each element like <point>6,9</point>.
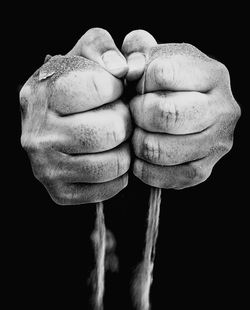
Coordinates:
<point>74,126</point>
<point>184,111</point>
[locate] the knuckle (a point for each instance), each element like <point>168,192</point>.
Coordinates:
<point>35,145</point>
<point>23,105</point>
<point>137,40</point>
<point>151,150</point>
<point>24,95</point>
<point>231,109</point>
<point>222,69</point>
<point>222,147</point>
<point>195,174</point>
<point>236,110</point>
<point>222,75</point>
<point>157,72</point>
<point>188,46</point>
<point>187,49</point>
<point>169,115</point>
<point>39,173</point>
<point>69,193</point>
<point>48,174</point>
<point>94,34</point>
<point>29,144</point>
<point>115,136</point>
<point>190,175</point>
<point>60,194</point>
<point>96,30</point>
<point>228,120</point>
<point>141,171</point>
<point>40,163</point>
<point>164,73</point>
<point>59,200</point>
<point>42,169</point>
<point>123,160</point>
<point>226,146</point>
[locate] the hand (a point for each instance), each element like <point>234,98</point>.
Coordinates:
<point>184,111</point>
<point>74,126</point>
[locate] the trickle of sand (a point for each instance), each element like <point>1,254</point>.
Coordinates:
<point>105,259</point>
<point>99,242</point>
<point>144,275</point>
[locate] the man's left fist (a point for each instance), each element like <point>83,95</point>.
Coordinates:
<point>184,111</point>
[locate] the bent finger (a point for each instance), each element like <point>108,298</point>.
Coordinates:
<point>83,193</point>
<point>167,149</point>
<point>88,168</point>
<point>180,72</point>
<point>98,45</point>
<point>175,177</point>
<point>173,112</point>
<point>79,85</point>
<point>135,47</point>
<point>93,131</point>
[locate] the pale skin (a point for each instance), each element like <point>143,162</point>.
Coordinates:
<point>76,128</point>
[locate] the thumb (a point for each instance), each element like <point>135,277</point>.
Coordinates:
<point>98,45</point>
<point>135,48</point>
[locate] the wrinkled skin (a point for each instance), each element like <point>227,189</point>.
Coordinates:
<point>75,127</point>
<point>185,113</point>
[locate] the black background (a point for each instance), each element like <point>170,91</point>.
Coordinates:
<point>201,250</point>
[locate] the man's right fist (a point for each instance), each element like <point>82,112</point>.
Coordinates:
<point>74,126</point>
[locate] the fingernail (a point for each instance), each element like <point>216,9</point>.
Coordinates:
<point>115,63</point>
<point>136,65</point>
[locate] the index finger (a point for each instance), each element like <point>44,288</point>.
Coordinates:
<point>179,69</point>
<point>78,84</point>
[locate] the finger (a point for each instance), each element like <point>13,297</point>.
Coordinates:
<point>173,112</point>
<point>176,177</point>
<point>98,45</point>
<point>165,149</point>
<point>79,84</point>
<point>93,131</point>
<point>89,168</point>
<point>135,48</point>
<point>178,72</point>
<point>82,193</point>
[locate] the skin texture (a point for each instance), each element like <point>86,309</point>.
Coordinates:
<point>74,126</point>
<point>184,111</point>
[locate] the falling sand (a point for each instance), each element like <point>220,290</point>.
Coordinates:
<point>99,241</point>
<point>104,244</point>
<point>105,258</point>
<point>144,274</point>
